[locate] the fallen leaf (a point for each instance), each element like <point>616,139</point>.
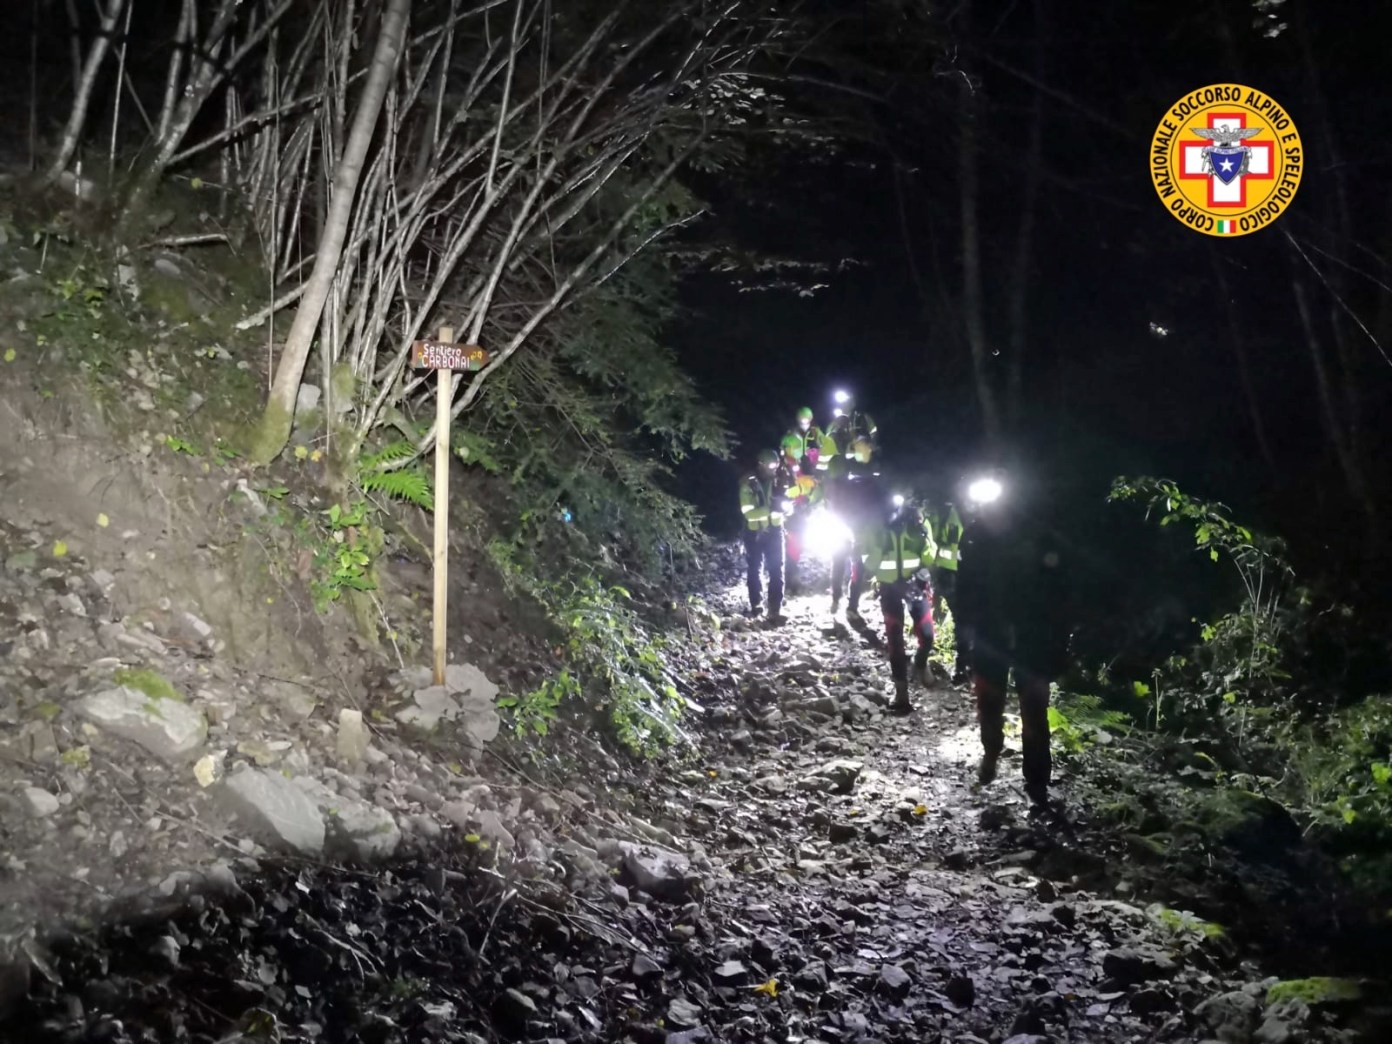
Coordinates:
<point>920,810</point>
<point>770,987</point>
<point>317,456</point>
<point>9,355</point>
<point>102,520</point>
<point>205,771</point>
<point>301,453</point>
<point>60,548</point>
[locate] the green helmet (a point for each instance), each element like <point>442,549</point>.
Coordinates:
<point>792,446</point>
<point>804,417</point>
<point>768,458</point>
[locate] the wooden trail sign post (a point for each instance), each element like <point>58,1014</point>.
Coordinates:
<point>444,356</point>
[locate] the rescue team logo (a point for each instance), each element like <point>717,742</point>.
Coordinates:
<point>1226,160</point>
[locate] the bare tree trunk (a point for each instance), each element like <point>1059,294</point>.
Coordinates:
<point>1329,408</point>
<point>1024,240</point>
<point>274,428</point>
<point>82,99</point>
<point>968,186</point>
<point>176,66</point>
<point>74,42</point>
<point>1244,368</point>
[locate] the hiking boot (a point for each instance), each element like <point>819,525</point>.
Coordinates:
<point>986,771</point>
<point>961,675</point>
<point>901,703</point>
<point>920,667</point>
<point>1037,791</point>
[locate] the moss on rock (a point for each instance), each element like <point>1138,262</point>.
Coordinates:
<point>151,683</point>
<point>1314,991</point>
<point>267,437</point>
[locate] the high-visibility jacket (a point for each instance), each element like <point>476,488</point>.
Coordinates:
<point>786,485</point>
<point>949,537</point>
<point>896,552</point>
<point>816,447</point>
<point>806,492</point>
<point>761,503</point>
<point>848,427</point>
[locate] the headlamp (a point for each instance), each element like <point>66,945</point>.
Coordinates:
<point>827,535</point>
<point>984,491</point>
<point>841,395</point>
<point>898,499</point>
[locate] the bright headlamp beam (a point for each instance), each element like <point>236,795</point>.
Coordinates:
<point>898,500</point>
<point>841,395</point>
<point>984,491</point>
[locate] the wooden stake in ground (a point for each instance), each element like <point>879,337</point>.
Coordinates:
<point>443,356</point>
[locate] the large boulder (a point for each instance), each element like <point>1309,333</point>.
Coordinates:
<point>1230,1016</point>
<point>836,777</point>
<point>277,812</point>
<point>466,698</point>
<point>168,728</point>
<point>354,829</point>
<point>660,872</point>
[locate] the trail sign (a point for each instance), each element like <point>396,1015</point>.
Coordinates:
<point>445,356</point>
<point>442,355</point>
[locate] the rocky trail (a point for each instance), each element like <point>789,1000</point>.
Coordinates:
<point>815,871</point>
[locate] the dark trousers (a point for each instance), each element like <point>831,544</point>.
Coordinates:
<point>918,598</point>
<point>763,552</point>
<point>944,588</point>
<point>796,531</point>
<point>991,664</point>
<point>844,567</point>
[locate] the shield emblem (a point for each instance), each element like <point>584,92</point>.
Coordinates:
<point>1227,161</point>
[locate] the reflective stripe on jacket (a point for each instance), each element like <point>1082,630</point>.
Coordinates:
<point>848,427</point>
<point>817,447</point>
<point>757,504</point>
<point>897,552</point>
<point>950,541</point>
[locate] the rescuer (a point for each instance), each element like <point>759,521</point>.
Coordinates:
<point>849,423</point>
<point>854,495</point>
<point>816,449</point>
<point>947,531</point>
<point>764,505</point>
<point>1011,599</point>
<point>805,492</point>
<point>898,551</point>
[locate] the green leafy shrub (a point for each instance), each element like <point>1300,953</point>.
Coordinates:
<point>1258,692</point>
<point>343,558</point>
<point>1242,663</point>
<point>1076,719</point>
<point>612,658</point>
<point>534,712</point>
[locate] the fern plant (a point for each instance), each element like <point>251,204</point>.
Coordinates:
<point>409,483</point>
